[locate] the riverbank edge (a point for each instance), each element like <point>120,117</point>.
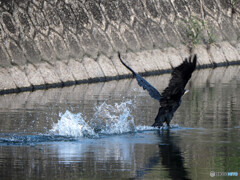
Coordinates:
<point>101,69</point>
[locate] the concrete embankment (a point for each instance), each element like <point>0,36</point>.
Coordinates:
<point>49,43</point>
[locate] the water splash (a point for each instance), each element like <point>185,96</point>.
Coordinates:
<point>107,119</point>
<point>72,125</point>
<point>117,119</point>
<point>146,128</point>
<point>23,139</point>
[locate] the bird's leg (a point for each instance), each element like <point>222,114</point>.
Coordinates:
<point>159,119</point>
<point>168,124</point>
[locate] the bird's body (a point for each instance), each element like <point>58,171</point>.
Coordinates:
<point>170,99</point>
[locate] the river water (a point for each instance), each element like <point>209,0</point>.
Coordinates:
<point>103,130</point>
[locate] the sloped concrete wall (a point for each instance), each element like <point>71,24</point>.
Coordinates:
<point>47,43</point>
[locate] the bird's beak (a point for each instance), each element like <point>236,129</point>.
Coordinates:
<point>186,91</point>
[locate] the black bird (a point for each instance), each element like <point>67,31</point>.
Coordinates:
<point>170,99</point>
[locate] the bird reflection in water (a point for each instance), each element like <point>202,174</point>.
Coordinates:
<point>169,156</point>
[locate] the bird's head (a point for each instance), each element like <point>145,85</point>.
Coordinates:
<point>185,91</point>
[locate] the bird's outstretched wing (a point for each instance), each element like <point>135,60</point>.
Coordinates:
<point>143,83</point>
<point>180,76</point>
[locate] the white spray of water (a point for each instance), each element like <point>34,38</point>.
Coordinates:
<point>107,119</point>
<point>115,119</point>
<point>72,125</point>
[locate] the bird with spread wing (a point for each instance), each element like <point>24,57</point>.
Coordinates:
<point>170,99</point>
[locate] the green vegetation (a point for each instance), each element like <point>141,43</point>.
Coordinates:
<point>197,29</point>
<point>234,2</point>
<point>193,27</point>
<point>211,35</point>
<point>234,6</point>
